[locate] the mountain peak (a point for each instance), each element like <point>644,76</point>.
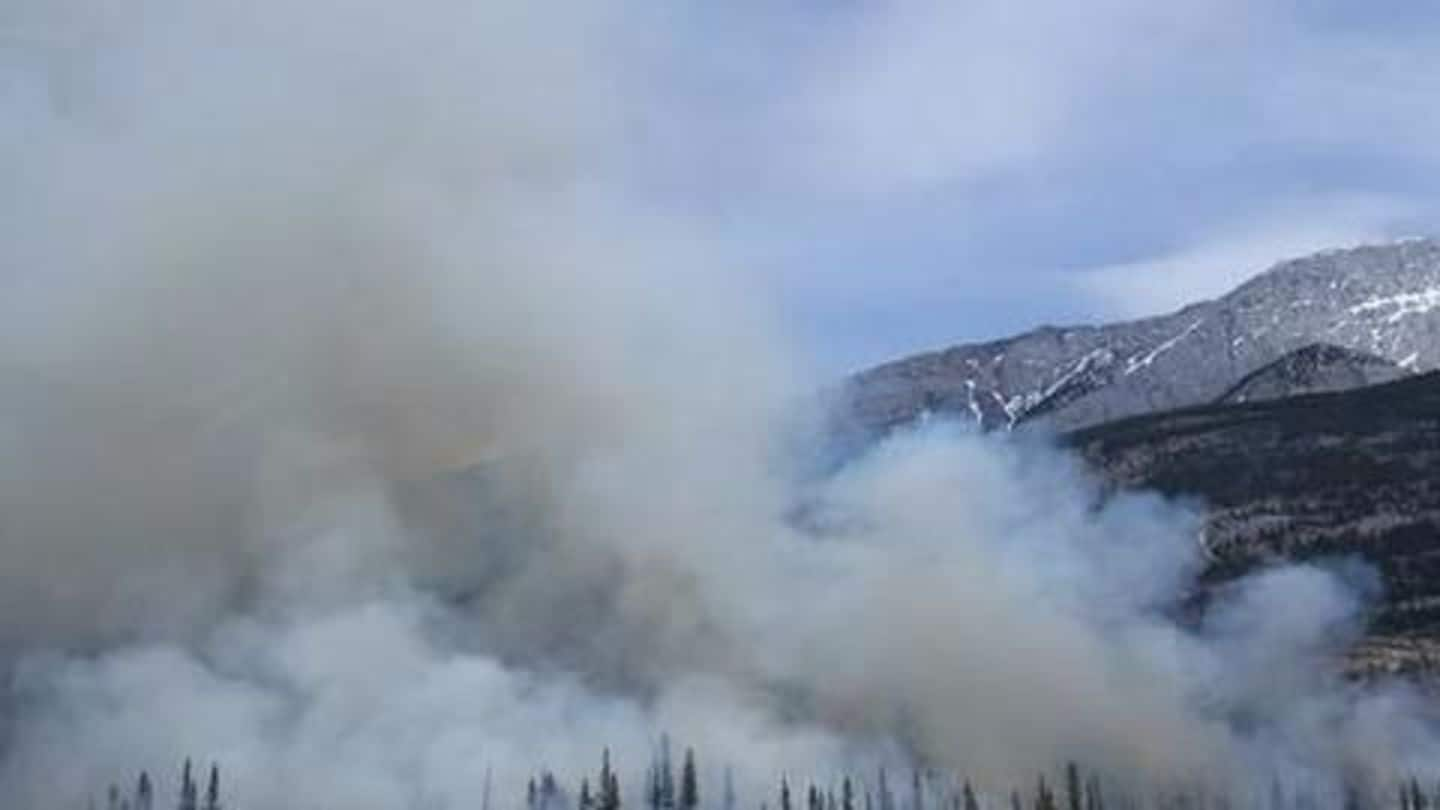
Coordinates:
<point>1376,300</point>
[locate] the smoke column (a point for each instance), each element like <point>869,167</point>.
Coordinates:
<point>363,429</point>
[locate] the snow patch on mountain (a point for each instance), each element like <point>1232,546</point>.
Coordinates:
<point>1139,363</point>
<point>1402,305</point>
<point>1382,300</point>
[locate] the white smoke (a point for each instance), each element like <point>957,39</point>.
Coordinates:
<point>279,273</point>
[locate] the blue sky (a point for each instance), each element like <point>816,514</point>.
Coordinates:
<point>911,173</point>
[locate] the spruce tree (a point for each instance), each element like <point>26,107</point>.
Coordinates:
<point>188,793</point>
<point>212,790</point>
<point>968,796</point>
<point>847,794</point>
<point>549,791</point>
<point>812,798</point>
<point>667,775</point>
<point>689,783</point>
<point>1073,796</point>
<point>728,800</point>
<point>654,794</point>
<point>585,802</point>
<point>887,801</point>
<point>144,793</point>
<point>609,784</point>
<point>785,793</point>
<point>917,791</point>
<point>1044,797</point>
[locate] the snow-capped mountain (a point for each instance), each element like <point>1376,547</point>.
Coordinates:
<point>1380,300</point>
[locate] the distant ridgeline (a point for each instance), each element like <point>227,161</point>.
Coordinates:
<point>1335,320</point>
<point>1073,788</point>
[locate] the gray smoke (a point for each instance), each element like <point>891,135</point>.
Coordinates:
<point>363,429</point>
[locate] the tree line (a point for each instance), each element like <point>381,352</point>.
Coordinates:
<point>663,789</point>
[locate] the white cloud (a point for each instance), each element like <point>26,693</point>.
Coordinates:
<point>926,92</point>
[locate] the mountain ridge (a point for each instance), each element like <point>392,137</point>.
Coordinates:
<point>1380,299</point>
<point>1313,368</point>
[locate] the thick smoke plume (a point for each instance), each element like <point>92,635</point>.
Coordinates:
<point>365,430</point>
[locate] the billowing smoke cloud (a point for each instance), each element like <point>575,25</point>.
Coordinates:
<point>365,431</point>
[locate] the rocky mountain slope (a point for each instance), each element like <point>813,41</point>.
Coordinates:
<point>1353,473</point>
<point>1381,300</point>
<point>1313,369</point>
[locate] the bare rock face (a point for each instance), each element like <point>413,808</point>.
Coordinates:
<point>1381,301</point>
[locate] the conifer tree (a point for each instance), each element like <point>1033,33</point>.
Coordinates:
<point>549,791</point>
<point>785,793</point>
<point>609,784</point>
<point>585,802</point>
<point>532,795</point>
<point>1044,797</point>
<point>812,798</point>
<point>667,775</point>
<point>917,791</point>
<point>1015,800</point>
<point>1073,796</point>
<point>112,798</point>
<point>689,783</point>
<point>212,790</point>
<point>847,794</point>
<point>887,801</point>
<point>188,793</point>
<point>968,796</point>
<point>728,800</point>
<point>144,793</point>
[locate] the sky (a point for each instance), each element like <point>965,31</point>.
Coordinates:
<point>906,174</point>
<point>899,175</point>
